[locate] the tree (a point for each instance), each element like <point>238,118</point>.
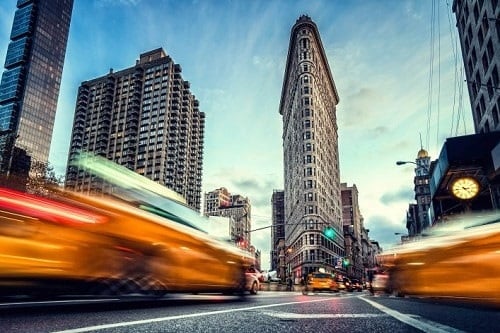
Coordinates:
<point>43,180</point>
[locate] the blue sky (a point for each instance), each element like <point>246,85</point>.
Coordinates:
<point>233,53</point>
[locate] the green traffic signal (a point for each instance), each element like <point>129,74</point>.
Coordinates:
<point>329,232</point>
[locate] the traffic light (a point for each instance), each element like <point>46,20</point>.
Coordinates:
<point>345,262</point>
<point>329,232</point>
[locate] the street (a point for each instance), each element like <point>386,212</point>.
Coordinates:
<point>265,312</point>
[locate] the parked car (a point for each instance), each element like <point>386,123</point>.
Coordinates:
<point>319,281</point>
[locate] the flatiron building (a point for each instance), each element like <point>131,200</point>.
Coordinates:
<point>312,192</point>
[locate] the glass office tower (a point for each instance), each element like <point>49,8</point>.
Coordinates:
<point>29,87</point>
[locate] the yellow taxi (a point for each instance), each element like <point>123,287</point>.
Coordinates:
<point>48,245</point>
<point>145,241</point>
<point>458,258</point>
<point>319,281</point>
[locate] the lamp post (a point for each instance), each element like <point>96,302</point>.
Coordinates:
<point>405,162</point>
<point>419,166</point>
<point>404,236</point>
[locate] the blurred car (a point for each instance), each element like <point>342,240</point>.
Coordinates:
<point>459,258</point>
<point>253,280</point>
<point>341,283</point>
<point>356,285</point>
<point>272,276</point>
<point>143,241</point>
<point>47,246</point>
<point>348,284</point>
<point>319,281</point>
<point>380,282</point>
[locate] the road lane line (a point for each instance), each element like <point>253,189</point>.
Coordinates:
<point>192,315</point>
<point>426,326</point>
<point>289,315</point>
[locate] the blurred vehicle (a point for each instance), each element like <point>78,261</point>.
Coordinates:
<point>380,282</point>
<point>253,280</point>
<point>145,240</point>
<point>341,283</point>
<point>458,258</point>
<point>348,284</point>
<point>356,285</point>
<point>47,246</point>
<point>272,276</point>
<point>319,281</point>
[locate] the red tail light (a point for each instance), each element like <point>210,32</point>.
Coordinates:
<point>45,209</point>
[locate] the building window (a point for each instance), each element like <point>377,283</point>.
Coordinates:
<point>489,48</point>
<point>476,12</point>
<point>483,106</point>
<point>494,75</point>
<point>485,62</point>
<point>491,91</point>
<point>494,113</point>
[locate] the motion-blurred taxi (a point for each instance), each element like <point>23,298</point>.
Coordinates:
<point>319,281</point>
<point>144,241</point>
<point>48,245</point>
<point>459,258</point>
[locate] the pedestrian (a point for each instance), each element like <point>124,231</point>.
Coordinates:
<point>370,281</point>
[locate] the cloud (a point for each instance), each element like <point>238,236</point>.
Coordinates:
<point>114,3</point>
<point>383,229</point>
<point>404,194</point>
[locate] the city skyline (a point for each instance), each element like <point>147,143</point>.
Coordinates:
<point>233,53</point>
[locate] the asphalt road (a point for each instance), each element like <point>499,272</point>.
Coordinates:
<point>266,312</point>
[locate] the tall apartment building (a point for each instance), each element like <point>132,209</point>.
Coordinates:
<point>30,83</point>
<point>478,27</point>
<point>277,229</point>
<point>221,202</point>
<point>144,118</point>
<point>311,159</point>
<point>353,231</point>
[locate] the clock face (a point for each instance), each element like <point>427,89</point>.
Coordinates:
<point>465,188</point>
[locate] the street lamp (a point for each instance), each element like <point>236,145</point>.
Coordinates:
<point>419,166</point>
<point>404,237</point>
<point>405,162</point>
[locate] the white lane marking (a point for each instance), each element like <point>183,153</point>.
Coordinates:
<point>423,325</point>
<point>191,315</point>
<point>289,315</point>
<point>78,301</point>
